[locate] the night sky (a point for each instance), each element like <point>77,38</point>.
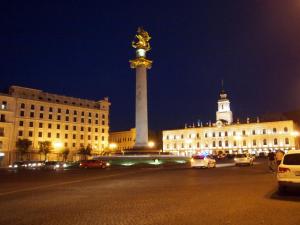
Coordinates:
<point>81,48</point>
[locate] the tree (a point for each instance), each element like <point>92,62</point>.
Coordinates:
<point>84,152</point>
<point>65,152</point>
<point>23,146</point>
<point>45,148</point>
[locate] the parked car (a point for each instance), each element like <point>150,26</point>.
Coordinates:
<point>34,164</point>
<point>288,173</point>
<point>53,165</point>
<point>18,165</point>
<point>203,161</point>
<point>93,163</point>
<point>243,159</point>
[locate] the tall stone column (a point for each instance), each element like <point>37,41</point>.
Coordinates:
<point>141,107</point>
<point>141,64</point>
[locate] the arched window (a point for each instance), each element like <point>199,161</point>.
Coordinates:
<point>214,134</point>
<point>220,143</point>
<point>226,143</point>
<point>226,133</point>
<point>265,141</point>
<point>22,106</point>
<point>274,130</point>
<point>254,142</point>
<point>275,141</point>
<point>214,144</point>
<point>287,141</point>
<point>285,129</point>
<point>234,143</point>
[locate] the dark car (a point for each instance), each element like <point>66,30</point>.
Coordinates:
<point>93,163</point>
<point>18,165</point>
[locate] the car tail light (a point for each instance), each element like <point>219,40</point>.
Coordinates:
<point>283,170</point>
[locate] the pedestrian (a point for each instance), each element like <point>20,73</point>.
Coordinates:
<point>271,161</point>
<point>278,156</point>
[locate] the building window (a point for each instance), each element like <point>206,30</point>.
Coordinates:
<point>32,107</point>
<point>226,143</point>
<point>89,129</point>
<point>182,145</point>
<point>285,129</point>
<point>102,138</point>
<point>96,138</point>
<point>40,125</point>
<point>244,143</point>
<point>205,135</point>
<point>49,135</point>
<point>21,123</point>
<point>244,132</point>
<point>96,129</point>
<point>103,122</point>
<point>40,134</point>
<point>22,113</point>
<point>264,131</point>
<point>58,117</point>
<point>82,120</point>
<point>89,121</point>
<point>81,128</point>
<point>182,136</point>
<point>20,133</point>
<point>220,143</point>
<point>213,134</point>
<point>1,132</point>
<point>30,133</point>
<point>74,127</point>
<point>67,111</point>
<point>74,145</point>
<point>253,132</point>
<point>274,130</point>
<point>74,119</point>
<point>198,145</point>
<point>42,108</point>
<point>103,116</point>
<point>57,135</point>
<point>214,144</point>
<point>226,133</point>
<point>31,114</point>
<point>49,125</point>
<point>287,141</point>
<point>234,143</point>
<point>66,136</point>
<point>234,133</point>
<point>90,114</point>
<point>264,142</point>
<point>275,141</point>
<point>67,127</point>
<point>30,124</point>
<point>89,137</point>
<point>254,142</point>
<point>22,106</point>
<point>75,112</point>
<point>58,126</point>
<point>50,117</point>
<point>41,115</point>
<point>74,136</point>
<point>96,115</point>
<point>58,110</point>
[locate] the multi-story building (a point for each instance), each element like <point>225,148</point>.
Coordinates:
<point>226,136</point>
<point>66,122</point>
<point>122,140</point>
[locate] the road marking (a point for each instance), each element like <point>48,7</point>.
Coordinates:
<point>67,182</point>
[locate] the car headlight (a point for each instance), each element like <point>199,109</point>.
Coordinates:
<point>10,166</point>
<point>39,164</point>
<point>56,166</point>
<point>107,164</point>
<point>65,165</point>
<point>15,166</point>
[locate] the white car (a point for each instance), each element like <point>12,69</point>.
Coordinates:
<point>288,173</point>
<point>243,159</point>
<point>203,161</point>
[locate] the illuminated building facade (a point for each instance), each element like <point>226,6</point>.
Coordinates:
<point>66,122</point>
<point>122,140</point>
<point>229,137</point>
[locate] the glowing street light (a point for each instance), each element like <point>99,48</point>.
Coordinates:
<point>57,145</point>
<point>151,144</point>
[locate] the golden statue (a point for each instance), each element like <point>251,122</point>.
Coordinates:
<point>142,41</point>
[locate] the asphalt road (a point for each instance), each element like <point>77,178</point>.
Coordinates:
<point>175,195</point>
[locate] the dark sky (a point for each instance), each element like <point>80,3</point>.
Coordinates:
<point>81,48</point>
